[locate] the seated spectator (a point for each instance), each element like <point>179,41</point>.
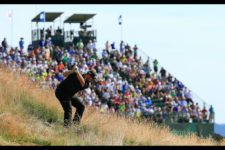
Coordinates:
<point>80,44</point>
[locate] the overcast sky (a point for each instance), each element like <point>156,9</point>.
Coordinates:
<point>187,40</point>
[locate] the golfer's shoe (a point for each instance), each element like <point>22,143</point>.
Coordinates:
<point>67,124</point>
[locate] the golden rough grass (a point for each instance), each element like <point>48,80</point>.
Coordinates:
<point>98,128</point>
<point>123,132</point>
<point>12,125</point>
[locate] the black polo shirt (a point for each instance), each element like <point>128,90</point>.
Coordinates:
<point>70,86</point>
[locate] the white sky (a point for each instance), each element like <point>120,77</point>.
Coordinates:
<point>187,40</point>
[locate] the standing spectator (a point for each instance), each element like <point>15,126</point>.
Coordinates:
<point>47,53</point>
<point>90,45</point>
<point>113,46</point>
<point>80,44</point>
<point>211,114</point>
<point>135,51</point>
<point>147,67</point>
<point>155,65</point>
<point>174,111</point>
<point>122,47</point>
<point>4,44</point>
<point>127,46</point>
<point>59,31</point>
<point>188,96</point>
<point>42,43</point>
<point>107,46</point>
<point>49,42</point>
<point>163,73</point>
<point>21,44</point>
<point>49,31</point>
<point>170,78</point>
<point>94,46</point>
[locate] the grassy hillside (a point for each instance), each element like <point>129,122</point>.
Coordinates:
<point>33,116</point>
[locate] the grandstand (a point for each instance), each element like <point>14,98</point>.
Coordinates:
<point>201,129</point>
<point>134,84</point>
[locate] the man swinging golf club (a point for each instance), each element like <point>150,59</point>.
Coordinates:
<point>73,83</point>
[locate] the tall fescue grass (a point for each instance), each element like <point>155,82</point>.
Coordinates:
<point>30,115</point>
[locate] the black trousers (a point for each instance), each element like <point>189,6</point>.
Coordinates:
<point>67,103</point>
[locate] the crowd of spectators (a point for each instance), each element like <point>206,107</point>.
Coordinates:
<point>130,86</point>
